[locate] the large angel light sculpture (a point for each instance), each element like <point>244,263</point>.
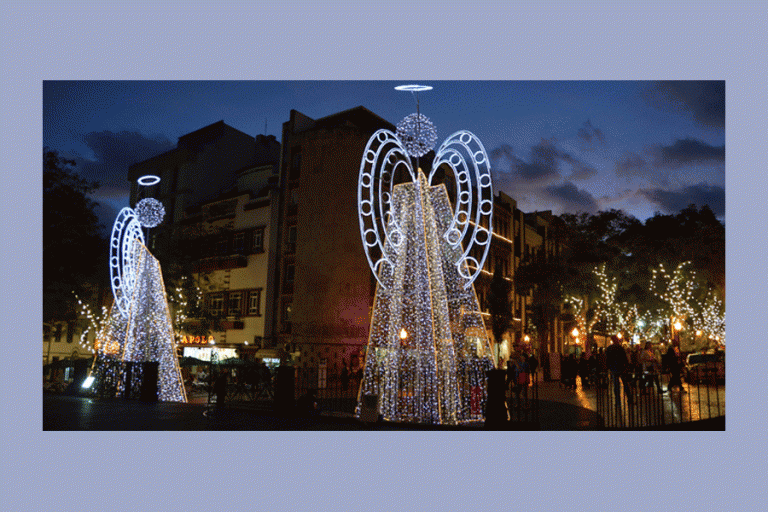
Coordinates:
<point>428,351</point>
<point>140,329</point>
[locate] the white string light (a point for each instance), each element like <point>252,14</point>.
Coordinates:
<point>428,351</point>
<point>417,133</point>
<point>122,268</point>
<point>150,212</point>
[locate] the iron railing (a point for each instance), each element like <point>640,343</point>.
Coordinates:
<point>633,401</point>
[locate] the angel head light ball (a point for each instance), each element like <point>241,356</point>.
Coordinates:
<point>417,133</point>
<point>150,212</point>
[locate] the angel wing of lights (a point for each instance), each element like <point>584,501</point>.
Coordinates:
<point>122,267</point>
<point>465,156</point>
<point>384,155</point>
<point>471,226</point>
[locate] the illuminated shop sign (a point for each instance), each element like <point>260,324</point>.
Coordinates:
<point>204,353</point>
<point>197,340</point>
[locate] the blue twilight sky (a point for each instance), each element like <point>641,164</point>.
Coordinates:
<point>566,146</point>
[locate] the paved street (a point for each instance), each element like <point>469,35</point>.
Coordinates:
<point>558,409</point>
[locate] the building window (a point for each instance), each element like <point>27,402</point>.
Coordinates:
<point>258,240</point>
<point>292,238</point>
<point>70,332</point>
<point>289,273</point>
<point>295,164</point>
<point>234,304</point>
<point>59,332</point>
<point>216,305</point>
<point>221,247</point>
<point>254,303</point>
<point>286,320</point>
<point>238,243</point>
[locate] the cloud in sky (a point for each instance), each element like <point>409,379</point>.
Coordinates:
<point>672,201</point>
<point>688,151</point>
<point>113,154</point>
<point>705,100</point>
<point>571,199</point>
<point>538,184</point>
<point>674,165</point>
<point>590,134</point>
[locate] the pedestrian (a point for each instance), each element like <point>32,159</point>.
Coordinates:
<point>616,361</point>
<point>673,365</point>
<point>651,366</point>
<point>573,370</point>
<point>521,379</point>
<point>584,370</point>
<point>533,364</point>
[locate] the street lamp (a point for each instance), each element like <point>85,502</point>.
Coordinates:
<point>403,334</point>
<point>575,334</point>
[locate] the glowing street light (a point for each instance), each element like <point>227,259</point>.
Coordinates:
<point>403,334</point>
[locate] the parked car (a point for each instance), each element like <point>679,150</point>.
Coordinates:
<point>704,367</point>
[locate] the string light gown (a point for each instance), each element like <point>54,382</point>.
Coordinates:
<point>428,350</point>
<point>149,330</point>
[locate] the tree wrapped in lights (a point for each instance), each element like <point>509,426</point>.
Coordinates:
<point>607,309</point>
<point>579,306</point>
<point>676,290</point>
<point>94,323</point>
<point>710,318</point>
<point>428,350</point>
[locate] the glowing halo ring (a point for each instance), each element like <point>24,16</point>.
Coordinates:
<point>148,180</point>
<point>413,88</point>
<point>383,153</point>
<point>122,265</point>
<point>465,155</point>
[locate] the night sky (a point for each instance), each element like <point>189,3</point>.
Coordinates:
<point>565,146</point>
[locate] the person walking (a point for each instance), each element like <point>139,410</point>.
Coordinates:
<point>616,361</point>
<point>673,364</point>
<point>521,378</point>
<point>651,366</point>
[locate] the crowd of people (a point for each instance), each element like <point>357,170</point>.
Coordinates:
<point>640,364</point>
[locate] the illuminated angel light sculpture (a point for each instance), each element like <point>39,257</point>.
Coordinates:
<point>428,350</point>
<point>140,327</point>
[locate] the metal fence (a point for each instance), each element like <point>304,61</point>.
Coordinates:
<point>332,393</point>
<point>634,400</point>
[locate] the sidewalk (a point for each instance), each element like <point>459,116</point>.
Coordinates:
<point>558,410</point>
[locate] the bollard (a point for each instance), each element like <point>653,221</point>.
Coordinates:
<point>495,403</point>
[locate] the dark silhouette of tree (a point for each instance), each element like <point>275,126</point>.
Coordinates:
<point>75,252</point>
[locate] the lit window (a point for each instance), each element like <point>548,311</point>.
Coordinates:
<point>254,302</point>
<point>258,240</point>
<point>238,243</point>
<point>216,305</point>
<point>234,302</point>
